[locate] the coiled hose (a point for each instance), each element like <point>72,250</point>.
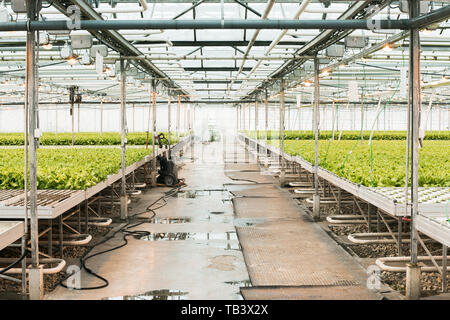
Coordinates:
<point>126,233</point>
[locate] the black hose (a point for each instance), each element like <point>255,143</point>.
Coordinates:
<point>247,180</point>
<point>126,233</point>
<point>14,263</point>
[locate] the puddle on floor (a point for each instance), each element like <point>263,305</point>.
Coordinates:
<point>248,222</point>
<point>174,236</point>
<point>242,283</point>
<point>223,262</point>
<point>164,294</point>
<point>211,217</point>
<point>217,218</point>
<point>170,220</point>
<point>213,193</point>
<point>229,245</point>
<point>238,285</point>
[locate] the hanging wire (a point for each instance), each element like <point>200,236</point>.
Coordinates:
<point>362,122</point>
<point>376,118</point>
<point>333,123</point>
<point>371,141</point>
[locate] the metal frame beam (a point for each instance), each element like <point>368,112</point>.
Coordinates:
<point>324,39</point>
<point>94,25</point>
<point>188,9</point>
<point>108,36</point>
<point>246,6</point>
<point>430,18</point>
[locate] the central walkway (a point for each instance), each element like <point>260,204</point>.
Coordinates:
<point>288,256</point>
<point>194,251</point>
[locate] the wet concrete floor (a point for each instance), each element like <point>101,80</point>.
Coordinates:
<point>229,234</point>
<point>192,251</point>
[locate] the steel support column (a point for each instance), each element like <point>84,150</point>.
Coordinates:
<point>184,118</point>
<point>266,122</point>
<point>444,268</point>
<point>288,125</point>
<point>25,183</point>
<point>333,110</point>
<point>362,118</point>
<point>299,106</point>
<point>134,118</point>
<point>249,117</point>
<point>194,112</point>
<point>153,97</point>
<point>189,117</point>
<point>177,124</point>
<point>316,196</point>
<point>243,116</point>
<point>123,190</point>
<point>413,269</point>
<point>78,117</point>
<point>168,121</point>
<point>237,119</point>
<point>282,116</point>
<point>72,112</point>
<point>256,130</point>
<point>101,117</point>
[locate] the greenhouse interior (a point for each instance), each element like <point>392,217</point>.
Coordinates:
<point>224,150</point>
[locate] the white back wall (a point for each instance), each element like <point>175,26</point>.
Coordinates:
<point>222,117</point>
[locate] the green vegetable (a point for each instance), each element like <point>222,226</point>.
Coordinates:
<point>388,161</point>
<point>346,135</point>
<point>83,138</point>
<point>66,168</point>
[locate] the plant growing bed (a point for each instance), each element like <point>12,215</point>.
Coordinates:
<point>68,168</point>
<point>83,138</point>
<point>382,165</point>
<point>346,135</point>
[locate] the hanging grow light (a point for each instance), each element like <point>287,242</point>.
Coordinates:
<point>388,47</point>
<point>72,60</point>
<point>325,73</point>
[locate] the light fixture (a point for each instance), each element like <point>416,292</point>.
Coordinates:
<point>72,60</point>
<point>325,73</point>
<point>47,46</point>
<point>86,59</point>
<point>388,47</point>
<point>66,51</point>
<point>444,77</point>
<point>307,83</point>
